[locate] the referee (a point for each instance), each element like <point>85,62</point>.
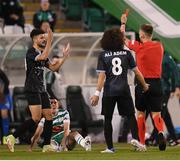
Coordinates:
<point>149,56</point>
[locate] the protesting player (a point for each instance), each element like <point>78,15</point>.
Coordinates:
<point>63,139</point>
<point>38,100</point>
<point>113,65</point>
<point>149,56</point>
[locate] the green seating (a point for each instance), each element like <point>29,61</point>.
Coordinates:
<point>93,19</point>
<point>111,21</point>
<point>72,9</point>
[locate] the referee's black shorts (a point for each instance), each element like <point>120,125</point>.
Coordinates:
<point>150,100</point>
<point>124,104</point>
<point>35,98</point>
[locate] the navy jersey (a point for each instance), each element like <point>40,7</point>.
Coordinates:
<point>116,65</point>
<point>35,72</point>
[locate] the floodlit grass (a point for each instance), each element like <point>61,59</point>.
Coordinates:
<point>123,151</point>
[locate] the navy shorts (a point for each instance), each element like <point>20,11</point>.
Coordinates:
<point>38,99</point>
<point>124,104</point>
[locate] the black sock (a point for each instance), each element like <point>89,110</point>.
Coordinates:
<point>84,128</point>
<point>133,126</point>
<point>108,132</point>
<point>47,132</point>
<point>28,124</point>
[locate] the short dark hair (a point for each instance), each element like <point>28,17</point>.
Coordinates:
<point>147,29</point>
<point>112,40</point>
<point>36,32</point>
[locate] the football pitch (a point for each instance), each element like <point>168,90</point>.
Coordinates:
<point>123,152</point>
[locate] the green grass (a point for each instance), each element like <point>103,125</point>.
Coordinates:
<point>123,151</point>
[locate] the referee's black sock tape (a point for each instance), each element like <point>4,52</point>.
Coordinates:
<point>47,132</point>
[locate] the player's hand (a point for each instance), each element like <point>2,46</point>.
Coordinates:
<point>172,94</point>
<point>50,34</point>
<point>122,28</point>
<point>123,19</point>
<point>146,87</point>
<point>14,16</point>
<point>94,100</point>
<point>55,61</point>
<point>63,147</point>
<point>66,50</point>
<point>177,92</point>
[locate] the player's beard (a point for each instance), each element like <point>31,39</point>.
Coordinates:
<point>42,45</point>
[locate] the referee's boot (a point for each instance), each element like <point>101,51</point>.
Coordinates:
<point>162,141</point>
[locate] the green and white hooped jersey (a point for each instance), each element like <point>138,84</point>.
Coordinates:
<point>58,121</point>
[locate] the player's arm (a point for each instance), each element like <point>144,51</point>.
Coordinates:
<point>100,84</point>
<point>140,78</point>
<point>37,134</point>
<point>55,65</point>
<point>174,77</point>
<point>66,133</point>
<point>46,51</point>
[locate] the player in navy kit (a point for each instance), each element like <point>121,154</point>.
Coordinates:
<point>38,100</point>
<point>113,65</point>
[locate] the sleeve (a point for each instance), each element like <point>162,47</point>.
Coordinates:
<point>66,117</point>
<point>41,122</point>
<point>133,45</point>
<point>32,56</point>
<point>101,67</point>
<point>47,62</point>
<point>132,63</point>
<point>174,70</point>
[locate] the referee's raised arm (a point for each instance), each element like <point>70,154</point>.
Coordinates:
<point>123,28</point>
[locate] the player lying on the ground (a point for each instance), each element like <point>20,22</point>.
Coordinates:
<point>62,138</point>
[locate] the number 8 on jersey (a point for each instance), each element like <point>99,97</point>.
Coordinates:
<point>116,69</point>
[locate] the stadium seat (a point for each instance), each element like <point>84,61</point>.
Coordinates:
<point>80,112</point>
<point>94,19</point>
<point>20,113</point>
<point>72,9</point>
<point>20,104</point>
<point>111,21</point>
